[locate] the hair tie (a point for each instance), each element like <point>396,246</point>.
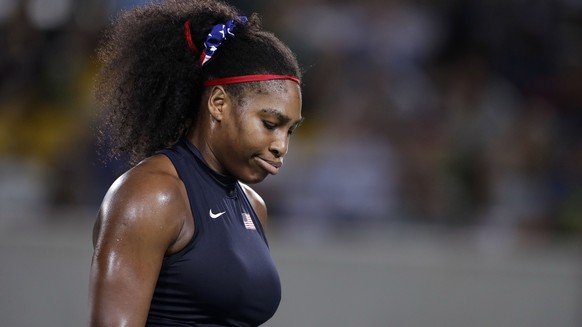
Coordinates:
<point>188,37</point>
<point>217,35</point>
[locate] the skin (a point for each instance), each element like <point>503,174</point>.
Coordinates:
<point>146,215</point>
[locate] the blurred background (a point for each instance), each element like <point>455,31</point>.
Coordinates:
<point>437,178</point>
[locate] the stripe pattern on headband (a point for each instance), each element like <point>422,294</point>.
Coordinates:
<point>249,78</point>
<point>217,35</point>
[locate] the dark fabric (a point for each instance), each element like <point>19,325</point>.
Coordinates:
<point>225,276</point>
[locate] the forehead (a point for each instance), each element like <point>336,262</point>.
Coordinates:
<point>281,98</point>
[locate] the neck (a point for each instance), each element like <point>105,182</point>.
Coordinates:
<point>201,136</point>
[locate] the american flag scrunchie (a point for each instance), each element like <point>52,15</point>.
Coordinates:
<point>217,35</point>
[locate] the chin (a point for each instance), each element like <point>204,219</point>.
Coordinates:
<point>257,178</point>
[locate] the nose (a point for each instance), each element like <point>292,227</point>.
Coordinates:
<point>279,146</point>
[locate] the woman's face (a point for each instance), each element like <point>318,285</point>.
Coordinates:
<point>255,133</point>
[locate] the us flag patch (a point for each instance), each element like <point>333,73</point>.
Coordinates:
<point>248,221</point>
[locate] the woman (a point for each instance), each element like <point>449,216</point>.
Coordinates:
<point>205,101</point>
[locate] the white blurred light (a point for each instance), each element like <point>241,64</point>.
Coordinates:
<point>7,8</point>
<point>47,14</point>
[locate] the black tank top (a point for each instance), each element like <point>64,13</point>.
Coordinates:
<point>225,275</point>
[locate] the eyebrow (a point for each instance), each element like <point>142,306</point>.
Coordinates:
<point>284,119</point>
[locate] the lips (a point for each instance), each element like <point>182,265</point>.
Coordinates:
<point>272,167</point>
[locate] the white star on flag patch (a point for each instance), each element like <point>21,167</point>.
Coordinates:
<point>248,221</point>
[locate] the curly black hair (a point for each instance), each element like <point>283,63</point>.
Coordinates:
<point>150,84</point>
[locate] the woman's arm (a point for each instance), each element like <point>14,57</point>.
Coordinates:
<point>140,219</point>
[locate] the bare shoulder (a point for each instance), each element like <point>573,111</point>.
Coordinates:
<point>257,202</point>
<point>146,201</point>
<point>140,221</point>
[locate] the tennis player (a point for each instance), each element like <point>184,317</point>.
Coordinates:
<point>204,102</point>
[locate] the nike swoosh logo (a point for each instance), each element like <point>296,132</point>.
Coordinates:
<point>215,215</point>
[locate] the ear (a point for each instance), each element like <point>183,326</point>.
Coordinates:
<point>217,102</point>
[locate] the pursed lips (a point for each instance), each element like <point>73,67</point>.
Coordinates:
<point>270,166</point>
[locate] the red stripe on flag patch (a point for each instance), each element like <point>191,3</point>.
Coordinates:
<point>248,221</point>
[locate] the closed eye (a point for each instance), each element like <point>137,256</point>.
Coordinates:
<point>268,125</point>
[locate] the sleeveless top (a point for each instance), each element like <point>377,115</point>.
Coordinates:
<point>225,275</point>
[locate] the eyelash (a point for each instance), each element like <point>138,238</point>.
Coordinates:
<point>271,126</point>
<point>268,125</point>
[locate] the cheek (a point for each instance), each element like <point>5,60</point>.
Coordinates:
<point>247,138</point>
<point>253,132</point>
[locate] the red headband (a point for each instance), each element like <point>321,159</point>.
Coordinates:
<point>249,78</point>
<point>234,79</point>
